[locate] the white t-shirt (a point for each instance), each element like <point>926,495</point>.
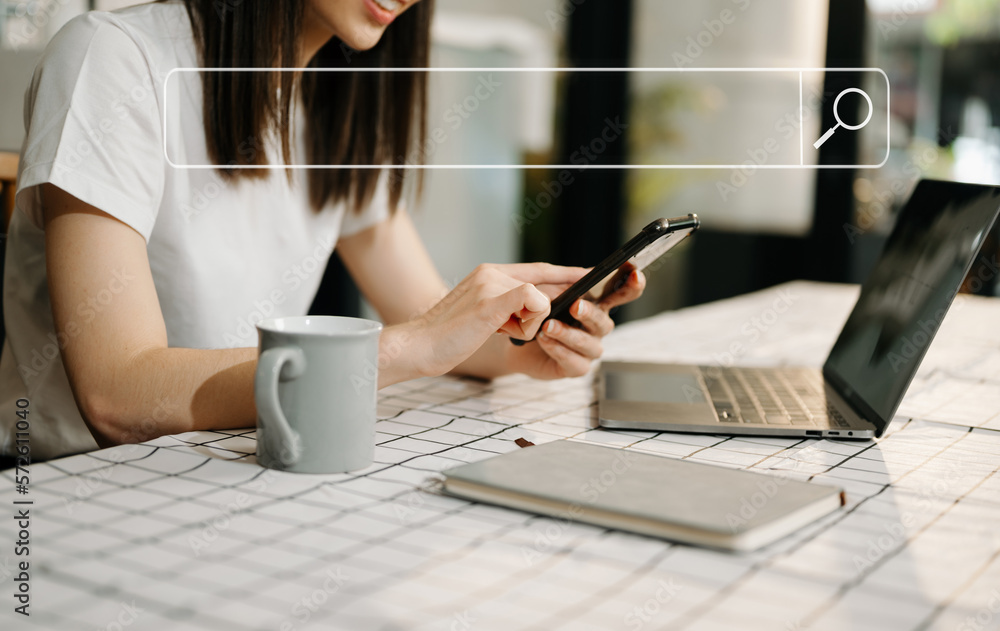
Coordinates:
<point>223,256</point>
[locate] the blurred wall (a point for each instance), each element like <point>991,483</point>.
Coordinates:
<point>727,34</point>
<point>685,118</point>
<point>25,28</point>
<point>466,217</point>
<point>548,14</point>
<point>15,74</point>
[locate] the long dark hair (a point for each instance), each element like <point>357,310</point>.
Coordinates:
<point>359,118</point>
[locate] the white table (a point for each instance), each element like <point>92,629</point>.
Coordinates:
<point>187,532</point>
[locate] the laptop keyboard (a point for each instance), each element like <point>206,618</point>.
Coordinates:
<point>770,396</point>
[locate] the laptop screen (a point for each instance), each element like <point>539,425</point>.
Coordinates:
<point>937,236</point>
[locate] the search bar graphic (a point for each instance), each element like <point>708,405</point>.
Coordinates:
<point>840,123</point>
<point>680,118</point>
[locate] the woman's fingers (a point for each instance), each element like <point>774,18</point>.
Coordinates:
<point>524,307</point>
<point>543,273</point>
<point>632,289</point>
<point>552,290</point>
<point>577,340</point>
<point>571,363</point>
<point>594,319</point>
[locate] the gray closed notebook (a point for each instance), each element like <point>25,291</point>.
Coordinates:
<point>673,499</point>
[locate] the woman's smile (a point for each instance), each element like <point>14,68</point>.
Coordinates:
<point>383,11</point>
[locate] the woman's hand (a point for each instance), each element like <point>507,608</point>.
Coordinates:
<point>566,351</point>
<point>508,299</point>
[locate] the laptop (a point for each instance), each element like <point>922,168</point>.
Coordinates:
<point>938,234</point>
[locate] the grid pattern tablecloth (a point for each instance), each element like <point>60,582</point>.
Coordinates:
<point>187,532</point>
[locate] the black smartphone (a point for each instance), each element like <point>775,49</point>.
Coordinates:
<point>610,275</point>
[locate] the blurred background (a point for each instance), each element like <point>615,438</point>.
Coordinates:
<point>760,227</point>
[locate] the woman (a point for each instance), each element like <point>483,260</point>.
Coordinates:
<point>131,284</point>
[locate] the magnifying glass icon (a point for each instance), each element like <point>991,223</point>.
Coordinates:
<point>840,123</point>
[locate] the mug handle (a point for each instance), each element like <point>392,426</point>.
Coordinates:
<point>278,364</point>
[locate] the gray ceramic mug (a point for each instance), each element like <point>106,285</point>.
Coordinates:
<point>315,390</point>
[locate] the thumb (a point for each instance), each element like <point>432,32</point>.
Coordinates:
<point>523,309</point>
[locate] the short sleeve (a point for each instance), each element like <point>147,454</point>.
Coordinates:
<point>92,124</point>
<point>376,212</point>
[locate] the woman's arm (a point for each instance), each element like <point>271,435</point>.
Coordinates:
<point>128,385</point>
<point>393,270</point>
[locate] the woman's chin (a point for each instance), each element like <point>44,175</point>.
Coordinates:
<point>363,39</point>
